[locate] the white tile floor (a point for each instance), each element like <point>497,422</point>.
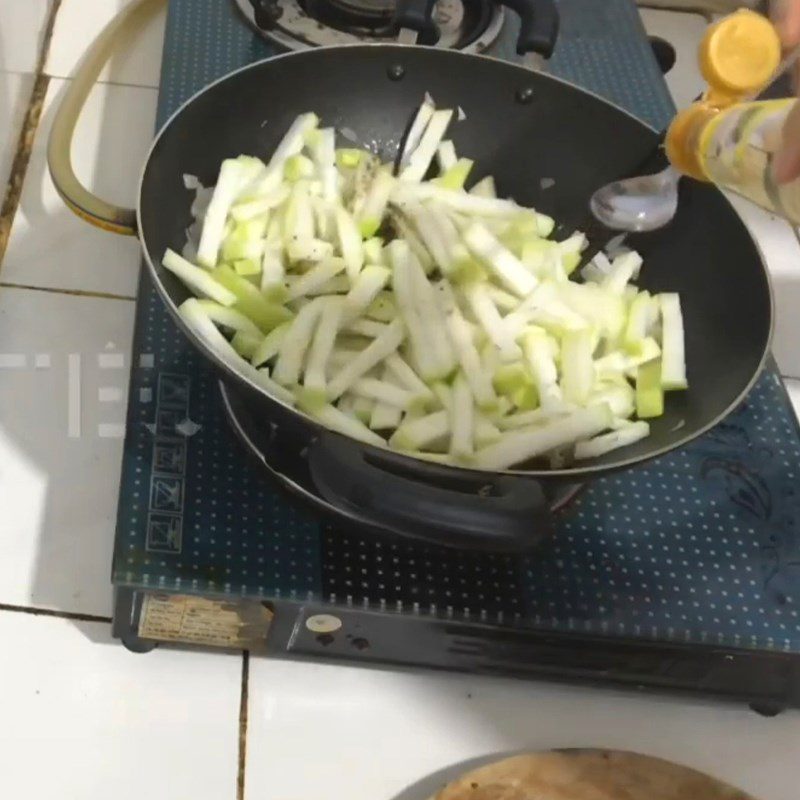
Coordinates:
<point>60,457</point>
<point>79,21</point>
<point>83,718</point>
<point>419,723</point>
<point>684,32</point>
<point>21,27</point>
<point>15,89</point>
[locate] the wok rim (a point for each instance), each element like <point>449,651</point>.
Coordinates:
<point>575,473</point>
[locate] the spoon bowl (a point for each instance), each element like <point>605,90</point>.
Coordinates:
<point>640,204</point>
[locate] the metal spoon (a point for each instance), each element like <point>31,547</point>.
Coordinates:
<point>639,204</point>
<point>649,202</point>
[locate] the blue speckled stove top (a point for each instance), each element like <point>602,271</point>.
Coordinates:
<point>700,546</point>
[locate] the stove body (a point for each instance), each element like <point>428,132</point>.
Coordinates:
<point>683,574</point>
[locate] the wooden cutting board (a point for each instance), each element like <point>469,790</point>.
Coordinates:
<point>586,775</point>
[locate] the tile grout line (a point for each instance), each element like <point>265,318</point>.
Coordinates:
<point>243,709</point>
<point>30,124</point>
<point>22,157</point>
<point>69,292</point>
<point>124,84</point>
<point>49,612</point>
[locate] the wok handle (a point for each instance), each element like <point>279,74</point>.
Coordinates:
<point>433,503</point>
<point>538,25</point>
<point>59,158</point>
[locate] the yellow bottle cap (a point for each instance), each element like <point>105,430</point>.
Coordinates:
<point>740,53</point>
<point>678,143</point>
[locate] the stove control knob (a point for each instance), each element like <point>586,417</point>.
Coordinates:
<point>323,623</point>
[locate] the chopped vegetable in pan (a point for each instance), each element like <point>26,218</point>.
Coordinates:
<point>417,309</point>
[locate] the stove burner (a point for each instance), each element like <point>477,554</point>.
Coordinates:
<point>380,10</point>
<point>368,17</point>
<point>373,8</point>
<point>469,25</point>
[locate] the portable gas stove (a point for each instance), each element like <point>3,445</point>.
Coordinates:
<point>683,574</point>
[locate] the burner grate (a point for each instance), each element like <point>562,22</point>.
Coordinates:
<point>471,25</point>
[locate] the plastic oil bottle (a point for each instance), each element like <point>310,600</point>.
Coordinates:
<point>723,138</point>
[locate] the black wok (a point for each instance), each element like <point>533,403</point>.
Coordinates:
<point>520,127</point>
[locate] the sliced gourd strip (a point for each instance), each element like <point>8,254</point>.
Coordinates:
<point>673,360</point>
<point>461,202</point>
<point>480,383</point>
<point>388,393</point>
<point>322,346</point>
<point>600,445</point>
<point>577,369</point>
<point>539,353</point>
<point>366,327</point>
<point>331,417</point>
<point>398,368</point>
<point>518,446</point>
<point>242,212</point>
<point>197,319</point>
<point>197,279</point>
<point>385,417</point>
<point>270,345</point>
<point>421,432</point>
<point>623,268</point>
<point>490,320</point>
<point>415,132</point>
<point>462,419</point>
<point>349,241</point>
<point>649,390</point>
<point>289,364</point>
<point>420,159</point>
<point>484,188</point>
<point>322,145</point>
<point>427,305</point>
<point>418,327</point>
<point>446,157</point>
<point>315,277</point>
<point>229,318</point>
<point>246,344</point>
<point>250,301</point>
<point>365,289</point>
<point>225,191</point>
<point>369,357</point>
<point>501,261</point>
<point>538,416</point>
<point>370,215</point>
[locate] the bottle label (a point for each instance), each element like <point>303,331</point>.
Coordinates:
<point>736,150</point>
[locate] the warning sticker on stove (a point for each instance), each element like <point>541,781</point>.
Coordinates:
<point>171,428</point>
<point>164,532</point>
<point>196,620</point>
